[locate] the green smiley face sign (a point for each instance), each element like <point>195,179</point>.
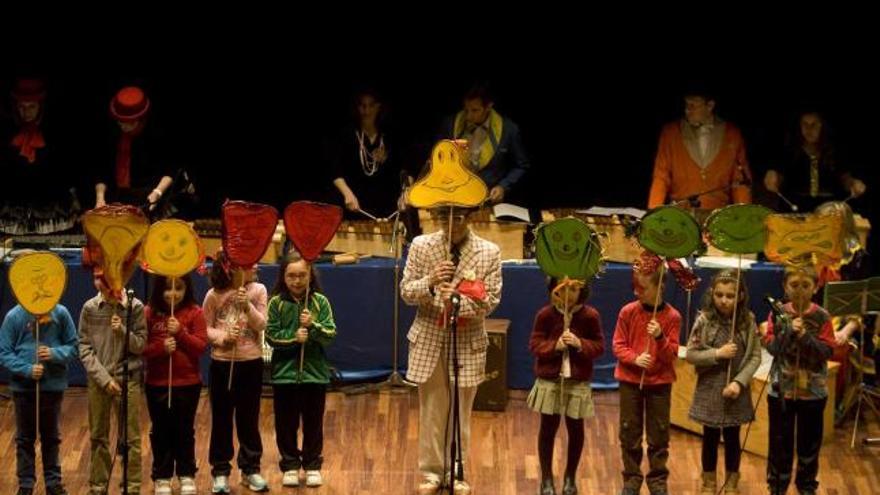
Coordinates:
<point>568,248</point>
<point>738,228</point>
<point>670,232</point>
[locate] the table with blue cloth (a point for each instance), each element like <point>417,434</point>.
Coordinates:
<point>362,296</point>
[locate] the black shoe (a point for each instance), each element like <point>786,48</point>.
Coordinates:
<point>56,490</point>
<point>25,491</point>
<point>628,491</point>
<point>772,489</point>
<point>547,487</point>
<point>569,487</point>
<point>807,492</point>
<point>659,491</point>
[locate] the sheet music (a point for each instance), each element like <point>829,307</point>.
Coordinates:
<point>602,211</point>
<point>723,262</point>
<point>507,211</point>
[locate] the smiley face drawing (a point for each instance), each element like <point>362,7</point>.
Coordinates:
<point>38,281</point>
<point>738,228</point>
<point>670,232</point>
<point>172,248</point>
<point>567,247</point>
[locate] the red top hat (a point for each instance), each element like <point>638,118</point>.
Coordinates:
<point>129,104</point>
<point>29,90</point>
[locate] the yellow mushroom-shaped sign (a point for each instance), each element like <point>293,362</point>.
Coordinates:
<point>118,231</point>
<point>448,182</point>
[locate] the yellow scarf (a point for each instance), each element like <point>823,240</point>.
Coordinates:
<point>495,128</point>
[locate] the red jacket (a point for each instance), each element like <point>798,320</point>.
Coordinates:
<point>192,340</point>
<point>585,324</point>
<point>631,339</point>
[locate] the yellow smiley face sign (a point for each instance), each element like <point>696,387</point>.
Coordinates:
<point>38,280</point>
<point>172,249</point>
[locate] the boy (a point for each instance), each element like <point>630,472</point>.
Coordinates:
<point>649,346</point>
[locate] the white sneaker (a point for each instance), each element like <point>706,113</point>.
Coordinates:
<point>291,478</point>
<point>255,483</point>
<point>313,478</point>
<point>429,486</point>
<point>162,487</point>
<point>461,488</point>
<point>221,484</point>
<point>188,485</point>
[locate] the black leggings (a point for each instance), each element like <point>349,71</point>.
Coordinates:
<point>546,437</point>
<point>711,438</point>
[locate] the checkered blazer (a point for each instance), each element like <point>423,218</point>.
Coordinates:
<point>428,336</point>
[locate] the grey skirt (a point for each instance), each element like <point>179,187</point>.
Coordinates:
<point>576,402</point>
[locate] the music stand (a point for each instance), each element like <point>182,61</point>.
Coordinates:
<point>859,297</point>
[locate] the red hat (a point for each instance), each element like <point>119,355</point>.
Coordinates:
<point>29,90</point>
<point>129,104</point>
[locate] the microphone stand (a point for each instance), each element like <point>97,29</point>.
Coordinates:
<point>122,423</point>
<point>693,200</point>
<point>455,452</point>
<point>783,339</point>
<point>395,379</point>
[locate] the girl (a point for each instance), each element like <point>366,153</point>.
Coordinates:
<point>722,406</point>
<point>236,319</point>
<point>549,342</point>
<point>182,335</point>
<point>299,378</point>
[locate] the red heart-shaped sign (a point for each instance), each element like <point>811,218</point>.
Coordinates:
<point>247,231</point>
<point>311,226</point>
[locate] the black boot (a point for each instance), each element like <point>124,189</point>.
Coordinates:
<point>547,487</point>
<point>568,486</point>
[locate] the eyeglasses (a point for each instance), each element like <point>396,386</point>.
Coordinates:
<point>458,217</point>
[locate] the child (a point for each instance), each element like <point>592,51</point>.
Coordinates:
<point>642,344</point>
<point>584,342</point>
<point>293,323</point>
<point>101,349</point>
<point>801,342</point>
<point>721,406</point>
<point>56,349</point>
<point>183,337</point>
<point>236,318</point>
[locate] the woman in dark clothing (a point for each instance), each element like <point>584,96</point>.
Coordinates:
<point>36,196</point>
<point>811,172</point>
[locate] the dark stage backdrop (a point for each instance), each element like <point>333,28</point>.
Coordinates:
<point>249,123</point>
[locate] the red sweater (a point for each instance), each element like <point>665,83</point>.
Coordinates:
<point>192,340</point>
<point>585,324</point>
<point>631,339</point>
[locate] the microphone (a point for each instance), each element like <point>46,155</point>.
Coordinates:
<point>455,299</point>
<point>775,306</point>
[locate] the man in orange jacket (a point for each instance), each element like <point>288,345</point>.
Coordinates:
<point>701,159</point>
